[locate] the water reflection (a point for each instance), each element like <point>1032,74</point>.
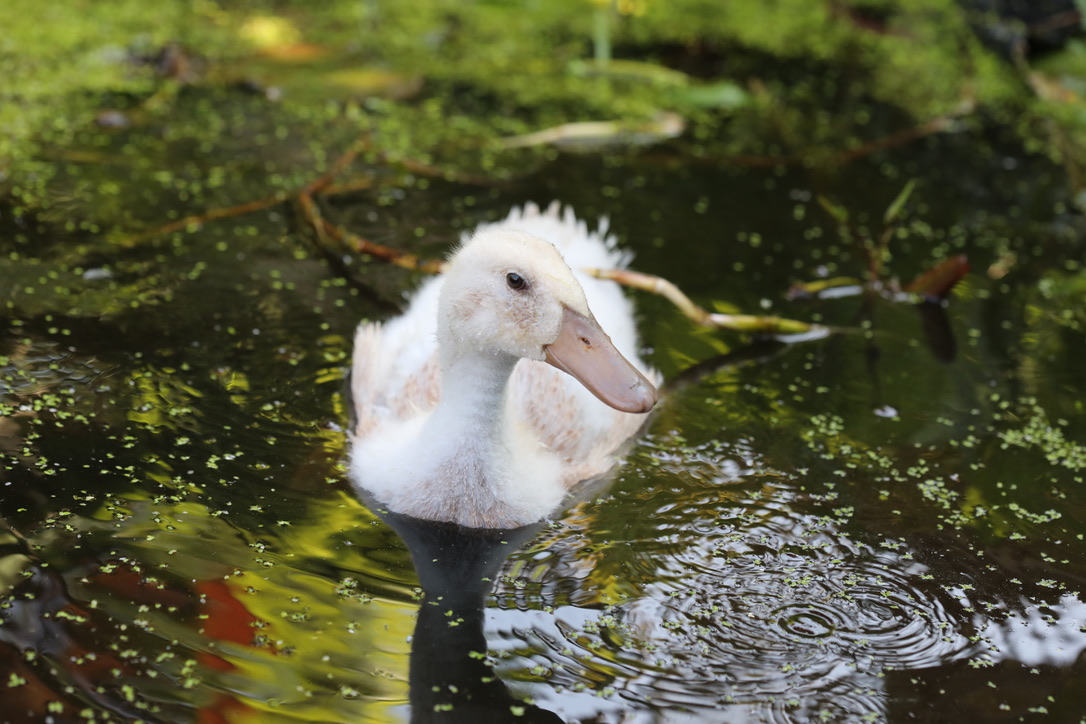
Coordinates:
<point>68,654</point>
<point>718,590</point>
<point>451,679</point>
<point>937,330</point>
<point>166,612</point>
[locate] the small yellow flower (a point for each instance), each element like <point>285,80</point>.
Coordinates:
<point>265,31</point>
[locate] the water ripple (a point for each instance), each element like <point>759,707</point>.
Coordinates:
<point>767,613</point>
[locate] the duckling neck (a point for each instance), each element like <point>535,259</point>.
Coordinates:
<point>471,415</point>
<point>466,462</point>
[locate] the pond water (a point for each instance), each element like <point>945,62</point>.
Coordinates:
<point>885,524</point>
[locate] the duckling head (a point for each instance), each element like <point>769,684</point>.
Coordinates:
<point>510,294</point>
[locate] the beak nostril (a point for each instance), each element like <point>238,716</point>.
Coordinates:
<point>584,351</point>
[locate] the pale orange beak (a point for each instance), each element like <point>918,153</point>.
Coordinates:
<point>585,351</point>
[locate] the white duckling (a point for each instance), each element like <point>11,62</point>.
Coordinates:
<point>461,414</point>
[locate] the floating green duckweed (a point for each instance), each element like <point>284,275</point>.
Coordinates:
<point>853,520</point>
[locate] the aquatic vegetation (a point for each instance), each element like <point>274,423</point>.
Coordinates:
<point>852,528</point>
<point>798,82</point>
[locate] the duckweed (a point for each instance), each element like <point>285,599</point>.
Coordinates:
<point>851,520</point>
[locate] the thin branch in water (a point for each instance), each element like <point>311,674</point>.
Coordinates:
<point>753,324</point>
<point>323,181</point>
<point>322,185</point>
<point>327,230</point>
<point>430,171</point>
<point>213,215</point>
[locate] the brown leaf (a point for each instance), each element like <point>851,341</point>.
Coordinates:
<point>937,282</point>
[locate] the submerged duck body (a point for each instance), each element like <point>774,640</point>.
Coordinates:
<point>499,389</point>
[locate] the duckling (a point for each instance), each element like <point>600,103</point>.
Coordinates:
<point>498,390</point>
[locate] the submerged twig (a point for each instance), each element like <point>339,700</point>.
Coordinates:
<point>326,229</point>
<point>323,185</point>
<point>323,181</point>
<point>213,215</point>
<point>656,285</point>
<point>753,324</point>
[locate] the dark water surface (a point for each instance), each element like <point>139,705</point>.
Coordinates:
<point>883,525</point>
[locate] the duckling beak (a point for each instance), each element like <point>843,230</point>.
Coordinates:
<point>584,351</point>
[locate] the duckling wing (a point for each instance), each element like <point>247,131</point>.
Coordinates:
<point>395,374</point>
<point>586,435</point>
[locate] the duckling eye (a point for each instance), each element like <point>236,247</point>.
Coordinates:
<point>516,281</point>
